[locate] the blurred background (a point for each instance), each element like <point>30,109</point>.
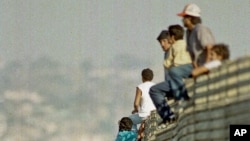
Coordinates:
<point>69,68</point>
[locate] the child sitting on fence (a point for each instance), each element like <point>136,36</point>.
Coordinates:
<point>219,53</point>
<point>178,56</point>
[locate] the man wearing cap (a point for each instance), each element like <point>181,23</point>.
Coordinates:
<point>199,43</point>
<point>199,37</point>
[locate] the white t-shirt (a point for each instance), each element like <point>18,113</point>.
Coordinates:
<point>213,64</point>
<point>146,105</point>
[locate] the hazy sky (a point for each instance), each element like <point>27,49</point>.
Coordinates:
<point>105,32</point>
<point>73,30</point>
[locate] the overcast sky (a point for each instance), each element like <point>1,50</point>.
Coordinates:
<point>105,32</point>
<point>73,30</point>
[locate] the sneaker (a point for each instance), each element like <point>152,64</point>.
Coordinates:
<point>170,119</point>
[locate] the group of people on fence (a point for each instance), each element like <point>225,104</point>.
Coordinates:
<point>189,58</point>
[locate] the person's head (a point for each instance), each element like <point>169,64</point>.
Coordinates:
<point>147,74</point>
<point>163,40</point>
<point>176,32</point>
<point>125,124</point>
<point>220,52</point>
<point>191,15</point>
<point>190,21</point>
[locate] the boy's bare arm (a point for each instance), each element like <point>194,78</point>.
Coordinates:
<point>168,61</point>
<point>199,71</point>
<point>208,51</point>
<point>137,100</point>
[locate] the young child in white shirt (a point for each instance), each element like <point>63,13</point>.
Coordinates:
<point>219,53</point>
<point>143,104</point>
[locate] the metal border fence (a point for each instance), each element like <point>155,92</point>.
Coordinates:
<point>218,100</point>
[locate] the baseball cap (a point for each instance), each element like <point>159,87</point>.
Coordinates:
<point>191,10</point>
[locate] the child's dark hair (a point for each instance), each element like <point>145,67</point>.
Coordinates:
<point>222,50</point>
<point>177,31</point>
<point>147,74</point>
<point>163,35</point>
<point>125,124</point>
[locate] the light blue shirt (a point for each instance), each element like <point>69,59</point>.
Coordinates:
<point>126,136</point>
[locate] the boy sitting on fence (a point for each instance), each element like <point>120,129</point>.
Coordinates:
<point>219,53</point>
<point>178,56</point>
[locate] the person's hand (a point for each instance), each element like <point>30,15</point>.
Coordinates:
<point>134,111</point>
